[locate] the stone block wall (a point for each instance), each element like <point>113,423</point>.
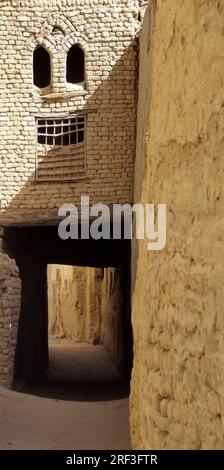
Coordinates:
<point>10,290</point>
<point>177,398</point>
<point>106,31</point>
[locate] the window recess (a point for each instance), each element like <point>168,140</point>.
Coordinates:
<point>61,148</point>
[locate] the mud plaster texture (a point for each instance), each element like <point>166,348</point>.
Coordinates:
<point>177,397</point>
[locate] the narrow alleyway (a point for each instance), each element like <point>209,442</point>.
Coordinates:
<point>80,404</point>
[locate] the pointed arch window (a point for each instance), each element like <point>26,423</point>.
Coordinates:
<point>75,68</point>
<point>41,67</point>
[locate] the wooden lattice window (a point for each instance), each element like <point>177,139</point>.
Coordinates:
<point>61,148</point>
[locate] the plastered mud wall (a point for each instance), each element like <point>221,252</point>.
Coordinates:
<point>74,303</point>
<point>177,397</point>
<point>116,325</point>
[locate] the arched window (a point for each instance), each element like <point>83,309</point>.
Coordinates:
<point>41,67</point>
<point>75,65</point>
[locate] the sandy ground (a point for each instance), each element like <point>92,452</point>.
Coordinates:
<point>81,404</point>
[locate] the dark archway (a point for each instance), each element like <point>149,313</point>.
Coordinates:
<point>33,249</point>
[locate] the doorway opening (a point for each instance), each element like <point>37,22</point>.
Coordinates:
<point>75,336</point>
<point>86,332</point>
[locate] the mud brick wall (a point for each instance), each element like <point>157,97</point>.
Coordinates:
<point>106,31</point>
<point>10,288</point>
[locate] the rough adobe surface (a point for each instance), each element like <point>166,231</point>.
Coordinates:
<point>177,397</point>
<point>9,307</point>
<point>106,30</point>
<point>74,303</point>
<point>178,379</point>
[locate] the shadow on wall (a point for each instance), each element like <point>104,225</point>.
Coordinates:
<point>143,110</point>
<point>107,180</point>
<point>34,248</point>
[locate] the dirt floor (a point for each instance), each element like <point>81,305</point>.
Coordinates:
<point>80,404</point>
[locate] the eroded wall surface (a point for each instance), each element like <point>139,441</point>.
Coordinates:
<point>74,303</point>
<point>177,398</point>
<point>10,287</point>
<point>116,334</point>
